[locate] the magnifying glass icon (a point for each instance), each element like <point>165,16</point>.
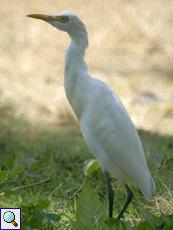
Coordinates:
<point>9,217</point>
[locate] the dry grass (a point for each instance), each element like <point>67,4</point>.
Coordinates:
<point>130,47</point>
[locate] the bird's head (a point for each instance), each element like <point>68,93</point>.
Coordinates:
<point>65,21</point>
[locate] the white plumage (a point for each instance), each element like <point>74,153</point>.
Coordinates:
<point>105,123</point>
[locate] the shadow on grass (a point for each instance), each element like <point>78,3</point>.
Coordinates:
<point>18,134</point>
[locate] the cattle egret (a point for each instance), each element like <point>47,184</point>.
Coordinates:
<point>105,123</point>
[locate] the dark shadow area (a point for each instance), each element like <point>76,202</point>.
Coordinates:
<point>20,136</point>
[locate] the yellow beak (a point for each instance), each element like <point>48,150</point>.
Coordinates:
<point>43,17</point>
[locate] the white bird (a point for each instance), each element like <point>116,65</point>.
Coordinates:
<point>105,124</point>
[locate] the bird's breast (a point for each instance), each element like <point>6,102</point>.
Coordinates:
<point>76,95</point>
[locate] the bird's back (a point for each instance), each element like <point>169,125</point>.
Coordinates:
<point>113,139</point>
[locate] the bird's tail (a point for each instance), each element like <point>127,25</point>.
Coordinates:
<point>147,186</point>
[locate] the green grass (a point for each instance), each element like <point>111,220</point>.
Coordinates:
<point>59,152</point>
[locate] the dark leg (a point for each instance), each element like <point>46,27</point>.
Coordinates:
<point>128,200</point>
<point>110,194</point>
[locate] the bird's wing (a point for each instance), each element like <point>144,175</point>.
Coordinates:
<point>109,131</point>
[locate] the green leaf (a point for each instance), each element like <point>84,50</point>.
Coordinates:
<point>19,158</point>
<point>17,192</point>
<point>23,194</point>
<point>9,193</point>
<point>74,225</point>
<point>144,226</point>
<point>90,211</point>
<point>52,216</point>
<point>33,223</point>
<point>117,224</point>
<point>10,162</point>
<point>168,222</point>
<point>153,220</point>
<point>171,225</point>
<point>42,204</point>
<point>17,170</point>
<point>30,162</point>
<point>3,175</point>
<point>157,159</point>
<point>25,209</point>
<point>39,215</point>
<point>165,218</point>
<point>10,175</point>
<point>91,166</point>
<point>38,165</point>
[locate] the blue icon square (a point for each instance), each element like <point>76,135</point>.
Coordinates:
<point>10,218</point>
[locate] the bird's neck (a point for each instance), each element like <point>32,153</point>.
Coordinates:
<point>75,73</point>
<point>75,52</point>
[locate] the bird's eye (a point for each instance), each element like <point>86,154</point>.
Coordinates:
<point>64,19</point>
